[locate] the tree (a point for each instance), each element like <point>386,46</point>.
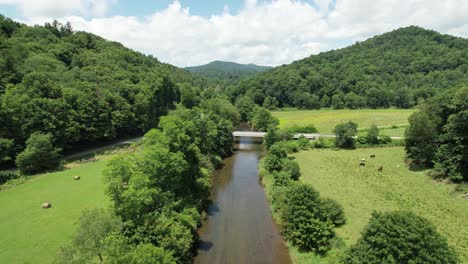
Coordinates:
<point>270,103</point>
<point>246,108</point>
<point>291,167</point>
<point>345,133</point>
<point>373,135</point>
<point>420,138</point>
<point>88,243</point>
<point>262,120</point>
<point>39,155</point>
<point>400,237</point>
<point>275,159</point>
<point>332,211</point>
<point>302,220</point>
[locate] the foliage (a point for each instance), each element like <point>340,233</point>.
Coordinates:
<point>308,129</point>
<point>397,69</point>
<point>437,134</point>
<point>275,159</point>
<point>39,155</point>
<point>262,120</point>
<point>159,191</point>
<point>302,222</point>
<point>345,133</point>
<point>291,167</point>
<point>332,211</point>
<point>88,243</point>
<point>373,135</point>
<point>80,88</point>
<point>400,237</point>
<point>6,175</point>
<point>227,72</point>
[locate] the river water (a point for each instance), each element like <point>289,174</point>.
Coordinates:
<point>240,228</point>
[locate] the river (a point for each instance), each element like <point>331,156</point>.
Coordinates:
<point>240,227</point>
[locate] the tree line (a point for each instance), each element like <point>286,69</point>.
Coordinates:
<point>75,88</point>
<point>402,68</point>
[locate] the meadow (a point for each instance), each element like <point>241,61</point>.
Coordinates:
<point>30,234</point>
<point>325,120</point>
<point>361,190</point>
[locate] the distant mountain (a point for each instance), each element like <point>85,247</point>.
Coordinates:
<point>395,69</point>
<point>226,71</point>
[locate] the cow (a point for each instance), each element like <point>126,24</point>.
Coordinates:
<point>380,169</point>
<point>362,164</point>
<point>372,156</point>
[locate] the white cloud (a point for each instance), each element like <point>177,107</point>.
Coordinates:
<point>60,8</point>
<point>269,33</point>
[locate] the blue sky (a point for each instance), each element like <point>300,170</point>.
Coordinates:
<point>265,32</point>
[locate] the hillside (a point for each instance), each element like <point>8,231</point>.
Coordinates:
<point>78,87</point>
<point>399,68</point>
<point>227,72</point>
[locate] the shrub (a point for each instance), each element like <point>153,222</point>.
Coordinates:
<point>384,139</point>
<point>291,167</point>
<point>281,178</point>
<point>39,155</point>
<point>400,237</point>
<point>345,133</point>
<point>322,143</point>
<point>332,211</point>
<point>303,129</point>
<point>274,160</point>
<point>301,219</point>
<point>373,135</point>
<point>362,140</point>
<point>7,175</point>
<point>303,142</point>
<point>291,146</point>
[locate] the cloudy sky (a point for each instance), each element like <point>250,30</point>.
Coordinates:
<point>274,32</point>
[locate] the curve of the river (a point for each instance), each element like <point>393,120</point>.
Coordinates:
<point>240,227</point>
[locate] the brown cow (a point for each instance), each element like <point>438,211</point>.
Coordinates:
<point>381,169</point>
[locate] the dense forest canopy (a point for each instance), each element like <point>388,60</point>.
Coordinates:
<point>227,72</point>
<point>397,69</point>
<point>79,87</point>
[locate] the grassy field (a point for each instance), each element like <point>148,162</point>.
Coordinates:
<point>30,234</point>
<point>326,120</point>
<point>336,174</point>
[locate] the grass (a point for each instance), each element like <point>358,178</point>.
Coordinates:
<point>360,190</point>
<point>30,234</point>
<point>326,120</point>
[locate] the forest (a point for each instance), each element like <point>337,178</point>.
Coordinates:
<point>78,88</point>
<point>399,69</point>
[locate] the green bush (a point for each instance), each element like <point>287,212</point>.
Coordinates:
<point>281,178</point>
<point>345,133</point>
<point>332,211</point>
<point>302,220</point>
<point>303,142</point>
<point>322,143</point>
<point>291,167</point>
<point>291,146</point>
<point>7,175</point>
<point>373,135</point>
<point>39,155</point>
<point>384,139</point>
<point>274,160</point>
<point>303,129</point>
<point>400,237</point>
<point>362,140</point>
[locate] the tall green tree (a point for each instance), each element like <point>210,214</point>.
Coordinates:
<point>345,134</point>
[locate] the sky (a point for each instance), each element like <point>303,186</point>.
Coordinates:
<point>265,32</point>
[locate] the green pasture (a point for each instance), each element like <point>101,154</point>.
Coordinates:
<point>326,120</point>
<point>30,234</point>
<point>360,190</point>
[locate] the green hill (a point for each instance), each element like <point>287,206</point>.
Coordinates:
<point>78,87</point>
<point>227,72</point>
<point>399,68</point>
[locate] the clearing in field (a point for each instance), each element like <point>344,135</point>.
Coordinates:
<point>360,190</point>
<point>30,234</point>
<point>326,120</point>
